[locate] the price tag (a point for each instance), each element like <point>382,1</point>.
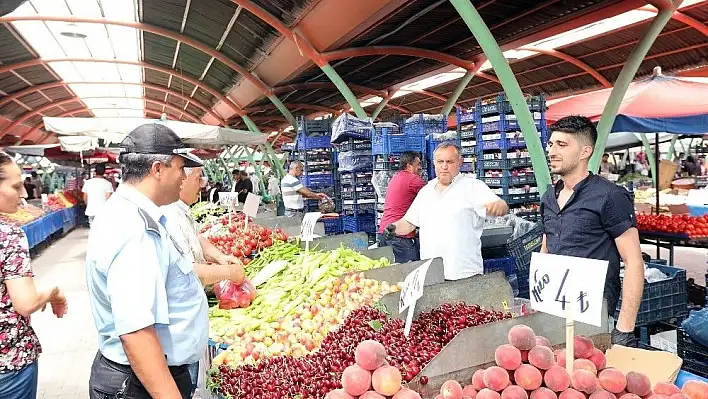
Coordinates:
<point>613,177</point>
<point>228,199</point>
<point>250,207</point>
<point>412,288</point>
<point>307,231</point>
<point>557,282</point>
<point>45,198</point>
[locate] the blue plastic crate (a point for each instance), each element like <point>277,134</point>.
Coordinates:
<point>305,142</point>
<point>515,199</point>
<point>418,125</point>
<point>314,125</point>
<point>466,116</point>
<point>359,188</point>
<point>351,179</point>
<point>662,300</point>
<point>354,145</point>
<point>358,195</point>
<point>332,226</point>
<point>521,249</point>
<point>359,209</point>
<point>356,224</point>
<point>382,144</point>
<point>508,265</point>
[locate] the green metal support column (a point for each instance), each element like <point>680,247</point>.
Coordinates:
<point>629,70</point>
<point>672,149</point>
<point>269,149</point>
<point>381,105</point>
<point>344,89</point>
<point>450,104</point>
<point>252,161</point>
<point>511,87</point>
<point>650,157</point>
<point>282,108</point>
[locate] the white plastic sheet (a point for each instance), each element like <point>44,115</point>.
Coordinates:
<point>115,129</point>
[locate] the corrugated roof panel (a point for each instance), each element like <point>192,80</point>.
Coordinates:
<point>34,100</point>
<point>165,13</point>
<point>12,50</point>
<point>177,102</point>
<point>191,61</point>
<point>12,110</point>
<point>198,113</point>
<point>10,83</point>
<point>156,77</point>
<point>220,77</point>
<point>207,20</point>
<point>159,50</point>
<point>37,74</point>
<point>58,93</point>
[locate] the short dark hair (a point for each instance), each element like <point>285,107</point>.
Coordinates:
<point>100,169</point>
<point>408,157</point>
<point>243,173</point>
<point>235,172</point>
<point>34,174</point>
<point>576,125</point>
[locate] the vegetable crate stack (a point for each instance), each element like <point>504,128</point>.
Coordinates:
<point>317,155</point>
<point>352,138</point>
<point>503,161</point>
<point>467,135</point>
<point>388,143</point>
<point>434,129</point>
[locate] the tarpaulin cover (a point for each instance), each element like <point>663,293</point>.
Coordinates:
<point>656,104</point>
<point>114,129</point>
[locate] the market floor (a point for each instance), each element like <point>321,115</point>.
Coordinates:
<point>69,344</point>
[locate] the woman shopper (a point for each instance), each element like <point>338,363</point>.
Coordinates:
<point>19,298</point>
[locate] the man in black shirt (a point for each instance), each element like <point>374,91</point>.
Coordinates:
<point>586,216</point>
<point>242,186</point>
<point>30,188</point>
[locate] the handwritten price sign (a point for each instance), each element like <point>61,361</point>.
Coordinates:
<point>307,230</point>
<point>559,284</point>
<point>412,288</point>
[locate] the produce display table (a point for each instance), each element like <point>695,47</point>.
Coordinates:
<point>670,241</point>
<point>39,230</point>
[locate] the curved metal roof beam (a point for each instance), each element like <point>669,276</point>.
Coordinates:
<point>569,58</point>
<point>324,85</point>
<point>684,18</point>
<point>151,86</point>
<point>310,107</point>
<point>29,63</point>
<point>398,50</point>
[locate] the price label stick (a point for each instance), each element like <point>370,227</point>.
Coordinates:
<point>569,339</point>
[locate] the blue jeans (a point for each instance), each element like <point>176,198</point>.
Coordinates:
<point>20,384</point>
<point>404,249</point>
<point>194,375</point>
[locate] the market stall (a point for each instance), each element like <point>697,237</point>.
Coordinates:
<point>56,217</point>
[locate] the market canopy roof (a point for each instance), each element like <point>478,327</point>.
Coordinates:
<point>114,130</point>
<point>663,104</point>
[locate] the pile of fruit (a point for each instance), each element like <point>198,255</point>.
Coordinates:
<point>56,202</point>
<point>316,374</point>
<point>230,236</point>
<point>300,299</point>
<point>67,198</point>
<point>371,377</point>
<point>23,216</point>
<point>528,367</point>
<point>693,226</point>
<point>202,211</point>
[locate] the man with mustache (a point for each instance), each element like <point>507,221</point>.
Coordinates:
<point>585,215</point>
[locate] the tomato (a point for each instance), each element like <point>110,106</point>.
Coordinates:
<point>237,253</point>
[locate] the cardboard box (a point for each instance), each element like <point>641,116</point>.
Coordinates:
<point>657,365</point>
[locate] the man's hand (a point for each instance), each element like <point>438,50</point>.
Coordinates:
<point>321,195</point>
<point>497,208</point>
<point>224,259</point>
<point>390,232</point>
<point>59,304</point>
<point>624,338</point>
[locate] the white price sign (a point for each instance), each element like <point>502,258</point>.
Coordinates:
<point>250,207</point>
<point>228,199</point>
<point>561,284</point>
<point>307,231</point>
<point>412,288</point>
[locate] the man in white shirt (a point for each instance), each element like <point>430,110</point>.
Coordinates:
<point>256,183</point>
<point>450,212</point>
<point>96,192</point>
<point>293,191</point>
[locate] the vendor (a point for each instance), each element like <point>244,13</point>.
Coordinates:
<point>586,216</point>
<point>450,212</point>
<point>293,191</point>
<point>242,185</point>
<point>400,193</point>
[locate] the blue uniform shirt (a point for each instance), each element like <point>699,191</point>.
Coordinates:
<point>137,277</point>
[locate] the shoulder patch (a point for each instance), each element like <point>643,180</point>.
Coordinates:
<point>150,223</point>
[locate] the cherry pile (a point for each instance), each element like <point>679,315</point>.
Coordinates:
<point>314,375</point>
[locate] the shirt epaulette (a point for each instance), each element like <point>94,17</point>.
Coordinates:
<point>150,223</point>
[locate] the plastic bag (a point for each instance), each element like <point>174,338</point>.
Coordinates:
<point>326,205</point>
<point>347,127</point>
<point>696,326</point>
<point>519,225</point>
<point>355,161</point>
<point>380,180</point>
<point>232,295</point>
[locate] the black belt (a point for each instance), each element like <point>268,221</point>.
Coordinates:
<point>295,210</point>
<point>174,370</point>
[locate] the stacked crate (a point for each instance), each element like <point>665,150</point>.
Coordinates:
<point>427,126</point>
<point>318,156</point>
<point>503,161</point>
<point>467,137</point>
<point>357,192</point>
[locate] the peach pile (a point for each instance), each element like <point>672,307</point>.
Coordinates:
<point>370,377</point>
<point>528,368</point>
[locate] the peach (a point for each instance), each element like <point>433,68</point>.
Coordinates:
<point>666,389</point>
<point>543,341</point>
<point>488,394</point>
<point>629,396</point>
<point>619,395</point>
<point>406,393</point>
<point>613,380</point>
<point>541,357</point>
<point>338,394</point>
<point>469,392</point>
<point>514,392</point>
<point>543,393</point>
<point>560,357</point>
<point>695,389</point>
<point>451,389</point>
<point>583,347</point>
<point>507,357</point>
<point>371,395</point>
<point>638,384</point>
<point>679,396</point>
<point>522,337</point>
<point>496,378</point>
<point>370,355</point>
<point>528,377</point>
<point>585,364</point>
<point>356,380</point>
<point>557,378</point>
<point>658,396</point>
<point>598,358</point>
<point>584,381</point>
<point>386,380</point>
<point>478,380</point>
<point>602,394</point>
<point>571,393</point>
